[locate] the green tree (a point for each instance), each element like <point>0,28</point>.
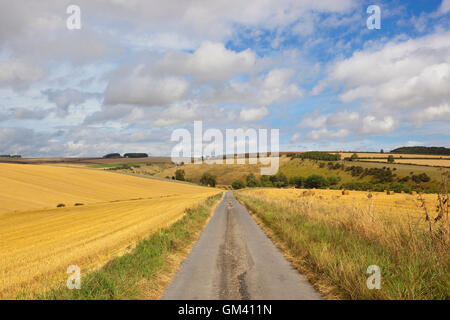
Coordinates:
<point>208,179</point>
<point>179,175</point>
<point>390,159</point>
<point>252,181</point>
<point>354,157</point>
<point>316,181</point>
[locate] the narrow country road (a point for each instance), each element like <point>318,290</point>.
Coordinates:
<point>234,259</point>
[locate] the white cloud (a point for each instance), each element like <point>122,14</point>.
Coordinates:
<point>253,114</point>
<point>139,86</point>
<point>401,74</point>
<point>445,7</point>
<point>19,74</point>
<point>210,62</point>
<point>324,133</point>
<point>372,125</point>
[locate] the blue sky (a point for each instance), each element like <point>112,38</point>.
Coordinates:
<point>137,70</point>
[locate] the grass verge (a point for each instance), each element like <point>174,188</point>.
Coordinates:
<point>335,255</point>
<point>144,272</point>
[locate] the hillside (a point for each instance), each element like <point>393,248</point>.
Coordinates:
<point>423,150</point>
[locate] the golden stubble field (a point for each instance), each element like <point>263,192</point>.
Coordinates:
<point>39,241</point>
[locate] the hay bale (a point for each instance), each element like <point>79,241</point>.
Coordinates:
<point>413,193</point>
<point>389,192</point>
<point>345,192</point>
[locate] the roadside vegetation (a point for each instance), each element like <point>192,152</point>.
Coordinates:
<point>143,272</point>
<point>333,236</point>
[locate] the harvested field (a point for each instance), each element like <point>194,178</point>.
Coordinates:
<point>39,241</point>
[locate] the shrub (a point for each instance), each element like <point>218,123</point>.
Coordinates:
<point>265,181</point>
<point>316,181</point>
<point>332,181</point>
<point>78,204</point>
<point>279,180</point>
<point>60,205</point>
<point>297,181</point>
<point>238,184</point>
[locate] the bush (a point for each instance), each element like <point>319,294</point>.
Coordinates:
<point>360,186</point>
<point>279,180</point>
<point>297,181</point>
<point>332,181</point>
<point>397,187</point>
<point>316,181</point>
<point>423,177</point>
<point>179,175</point>
<point>208,179</point>
<point>78,204</point>
<point>265,181</point>
<point>60,205</point>
<point>238,184</point>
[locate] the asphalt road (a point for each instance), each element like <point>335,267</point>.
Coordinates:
<point>234,259</point>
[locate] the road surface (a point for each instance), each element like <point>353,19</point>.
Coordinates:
<point>234,259</point>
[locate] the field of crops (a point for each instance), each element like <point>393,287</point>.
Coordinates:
<point>39,241</point>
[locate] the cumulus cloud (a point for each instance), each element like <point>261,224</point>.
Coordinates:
<point>139,86</point>
<point>253,114</point>
<point>64,98</point>
<point>19,74</point>
<point>210,62</point>
<point>400,74</point>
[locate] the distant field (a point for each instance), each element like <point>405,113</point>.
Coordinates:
<point>385,155</point>
<point>425,162</point>
<point>39,241</point>
<point>84,160</point>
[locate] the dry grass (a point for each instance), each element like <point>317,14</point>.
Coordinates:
<point>37,246</point>
<point>338,236</point>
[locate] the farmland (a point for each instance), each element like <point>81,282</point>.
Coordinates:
<point>333,237</point>
<point>39,241</point>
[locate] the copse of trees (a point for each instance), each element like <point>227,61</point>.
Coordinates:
<point>135,155</point>
<point>10,156</point>
<point>318,155</point>
<point>112,155</point>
